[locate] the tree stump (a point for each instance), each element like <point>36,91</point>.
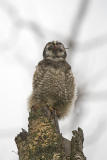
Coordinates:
<point>43,141</point>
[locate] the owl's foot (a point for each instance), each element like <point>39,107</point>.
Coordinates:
<point>51,108</point>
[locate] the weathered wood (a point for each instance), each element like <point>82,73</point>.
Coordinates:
<point>43,141</point>
<point>77,145</point>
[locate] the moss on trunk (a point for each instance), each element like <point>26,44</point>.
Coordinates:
<point>43,140</point>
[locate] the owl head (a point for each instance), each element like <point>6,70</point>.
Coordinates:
<point>54,51</point>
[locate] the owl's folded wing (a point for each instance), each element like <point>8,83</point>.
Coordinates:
<point>38,75</point>
<point>70,84</point>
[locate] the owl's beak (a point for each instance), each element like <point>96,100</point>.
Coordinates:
<point>55,48</point>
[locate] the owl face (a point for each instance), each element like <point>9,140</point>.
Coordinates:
<point>54,51</point>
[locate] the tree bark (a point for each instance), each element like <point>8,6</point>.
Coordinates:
<point>43,141</point>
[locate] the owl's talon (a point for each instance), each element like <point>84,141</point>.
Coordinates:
<point>51,108</point>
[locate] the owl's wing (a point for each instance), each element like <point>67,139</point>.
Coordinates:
<point>37,81</point>
<point>70,84</point>
<point>38,75</point>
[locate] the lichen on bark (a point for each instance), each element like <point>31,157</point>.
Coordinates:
<point>43,141</point>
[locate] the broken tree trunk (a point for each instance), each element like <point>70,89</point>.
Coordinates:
<point>43,141</point>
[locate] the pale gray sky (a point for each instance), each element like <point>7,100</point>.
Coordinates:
<point>25,27</point>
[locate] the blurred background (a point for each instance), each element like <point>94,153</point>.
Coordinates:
<point>25,27</point>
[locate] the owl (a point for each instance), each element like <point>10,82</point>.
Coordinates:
<point>53,81</point>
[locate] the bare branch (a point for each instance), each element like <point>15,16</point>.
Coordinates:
<point>94,43</point>
<point>78,20</point>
